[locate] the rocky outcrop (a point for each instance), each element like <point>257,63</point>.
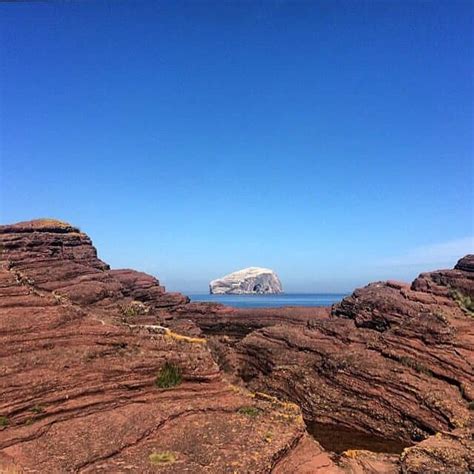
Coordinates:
<point>466,264</point>
<point>92,381</point>
<point>104,371</point>
<point>252,280</point>
<point>393,360</point>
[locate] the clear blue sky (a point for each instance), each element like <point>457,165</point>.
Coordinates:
<point>331,141</point>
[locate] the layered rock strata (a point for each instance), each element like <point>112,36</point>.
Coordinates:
<point>86,354</point>
<point>393,360</point>
<point>82,356</point>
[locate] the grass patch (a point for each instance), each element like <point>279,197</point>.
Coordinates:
<point>169,376</point>
<point>4,421</point>
<point>464,301</point>
<point>38,409</point>
<point>133,309</point>
<point>413,364</point>
<point>180,337</point>
<point>166,457</point>
<point>60,299</point>
<point>252,412</point>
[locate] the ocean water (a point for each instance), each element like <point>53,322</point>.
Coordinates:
<point>271,301</point>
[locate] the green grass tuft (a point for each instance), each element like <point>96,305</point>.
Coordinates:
<point>166,457</point>
<point>464,301</point>
<point>169,376</point>
<point>132,310</point>
<point>4,421</point>
<point>252,412</point>
<point>413,364</point>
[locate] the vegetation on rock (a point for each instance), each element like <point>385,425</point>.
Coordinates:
<point>169,376</point>
<point>166,457</point>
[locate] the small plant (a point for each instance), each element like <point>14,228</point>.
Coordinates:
<point>464,301</point>
<point>252,412</point>
<point>352,453</point>
<point>4,421</point>
<point>22,279</point>
<point>440,317</point>
<point>169,376</point>
<point>179,337</point>
<point>166,457</point>
<point>38,409</point>
<point>133,309</point>
<point>268,437</point>
<point>413,364</point>
<point>60,299</point>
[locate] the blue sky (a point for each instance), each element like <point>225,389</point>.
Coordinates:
<point>331,141</point>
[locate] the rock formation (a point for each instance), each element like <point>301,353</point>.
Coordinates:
<point>104,371</point>
<point>252,280</point>
<point>392,360</point>
<point>86,384</point>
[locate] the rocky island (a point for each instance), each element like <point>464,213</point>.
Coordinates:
<point>105,371</point>
<point>248,281</point>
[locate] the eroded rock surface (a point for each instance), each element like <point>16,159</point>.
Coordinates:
<point>83,350</point>
<point>252,280</point>
<point>392,359</point>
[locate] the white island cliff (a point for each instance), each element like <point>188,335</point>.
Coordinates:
<point>252,280</point>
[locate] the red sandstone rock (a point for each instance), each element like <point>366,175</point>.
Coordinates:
<point>446,452</point>
<point>385,363</point>
<point>393,360</point>
<point>81,347</point>
<point>466,264</point>
<point>78,372</point>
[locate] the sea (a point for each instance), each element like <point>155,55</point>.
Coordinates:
<point>271,301</point>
